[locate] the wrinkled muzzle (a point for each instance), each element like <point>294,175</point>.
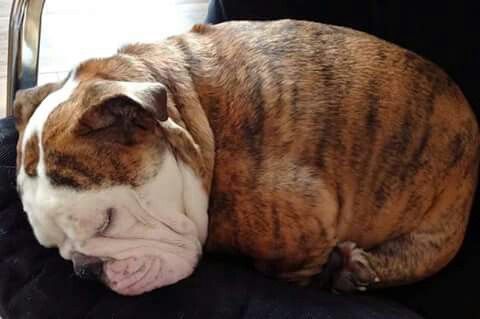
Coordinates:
<point>133,275</point>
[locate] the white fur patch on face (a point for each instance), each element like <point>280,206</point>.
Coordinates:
<point>34,188</point>
<point>165,246</point>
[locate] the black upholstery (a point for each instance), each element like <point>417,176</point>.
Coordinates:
<point>36,283</point>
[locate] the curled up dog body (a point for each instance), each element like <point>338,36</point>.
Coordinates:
<point>288,142</point>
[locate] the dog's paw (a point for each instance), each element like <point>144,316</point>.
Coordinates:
<point>356,273</point>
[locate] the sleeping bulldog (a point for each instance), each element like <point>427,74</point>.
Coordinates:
<point>281,141</point>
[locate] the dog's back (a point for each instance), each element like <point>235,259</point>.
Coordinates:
<point>325,135</point>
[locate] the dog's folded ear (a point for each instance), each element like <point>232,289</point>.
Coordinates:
<point>27,101</point>
<point>123,106</point>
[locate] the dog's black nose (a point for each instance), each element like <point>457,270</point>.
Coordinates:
<point>87,267</point>
<point>89,271</point>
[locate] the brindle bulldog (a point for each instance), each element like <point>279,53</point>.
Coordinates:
<point>282,141</point>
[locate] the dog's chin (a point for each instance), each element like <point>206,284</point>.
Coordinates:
<point>138,275</point>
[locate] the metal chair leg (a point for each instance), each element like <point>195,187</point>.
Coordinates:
<point>23,47</point>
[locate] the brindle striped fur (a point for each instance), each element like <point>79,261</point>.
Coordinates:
<point>322,135</point>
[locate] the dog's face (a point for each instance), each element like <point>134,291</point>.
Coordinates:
<point>99,180</point>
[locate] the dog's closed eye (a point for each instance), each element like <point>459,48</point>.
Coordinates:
<point>107,221</point>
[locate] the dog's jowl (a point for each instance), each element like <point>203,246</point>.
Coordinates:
<point>288,142</point>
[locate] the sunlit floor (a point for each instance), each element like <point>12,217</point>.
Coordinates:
<point>75,30</point>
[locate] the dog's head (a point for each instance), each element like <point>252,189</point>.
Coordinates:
<point>100,179</point>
